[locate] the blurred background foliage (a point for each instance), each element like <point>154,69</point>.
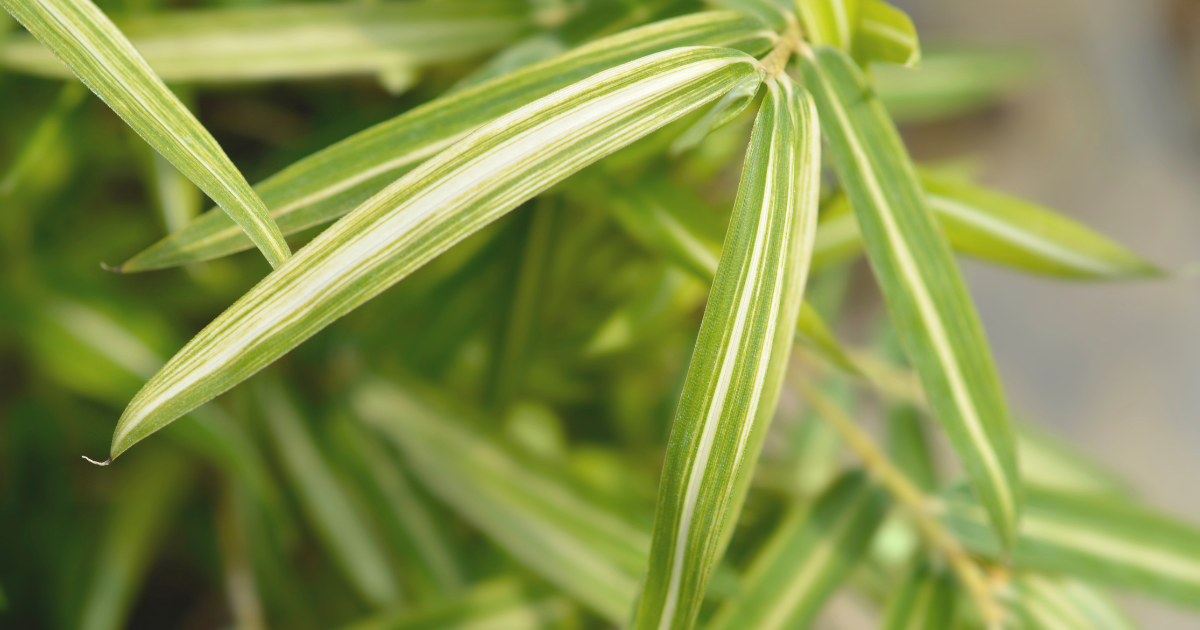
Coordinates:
<point>563,336</point>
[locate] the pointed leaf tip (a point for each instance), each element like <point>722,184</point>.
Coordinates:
<point>92,461</point>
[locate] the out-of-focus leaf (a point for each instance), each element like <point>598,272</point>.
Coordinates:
<point>1050,462</point>
<point>950,82</point>
<point>829,22</point>
<point>334,181</point>
<point>1099,539</point>
<point>728,108</point>
<point>885,33</point>
<point>771,12</point>
<point>920,280</point>
<point>421,215</point>
<point>342,527</point>
<point>533,49</point>
<point>93,48</point>
<point>47,132</point>
<point>925,600</point>
<point>651,212</point>
<point>739,361</point>
<point>908,446</point>
<point>579,547</point>
<point>1047,603</point>
<point>1009,231</point>
<point>807,559</point>
<point>146,499</point>
<point>240,586</point>
<point>503,604</point>
<point>813,332</point>
<point>299,40</point>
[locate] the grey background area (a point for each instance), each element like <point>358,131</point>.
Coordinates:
<point>1109,133</point>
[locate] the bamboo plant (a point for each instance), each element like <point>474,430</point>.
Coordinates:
<point>554,346</point>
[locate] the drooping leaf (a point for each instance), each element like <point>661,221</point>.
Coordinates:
<point>1047,603</point>
<point>502,604</point>
<point>829,22</point>
<point>577,546</point>
<point>885,33</point>
<point>739,361</point>
<point>299,40</point>
<point>424,213</point>
<point>148,495</point>
<point>811,553</point>
<point>335,180</point>
<point>1103,540</point>
<point>47,132</point>
<point>354,545</point>
<point>920,280</point>
<point>83,38</point>
<point>925,600</point>
<point>950,82</point>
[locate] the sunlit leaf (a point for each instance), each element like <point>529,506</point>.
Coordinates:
<point>829,22</point>
<point>1099,539</point>
<point>350,539</point>
<point>925,600</point>
<point>335,180</point>
<point>579,547</point>
<point>83,38</point>
<point>885,33</point>
<point>920,280</point>
<point>740,358</point>
<point>808,558</point>
<point>503,604</point>
<point>299,40</point>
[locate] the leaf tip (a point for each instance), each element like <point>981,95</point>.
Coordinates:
<point>96,463</point>
<point>111,269</point>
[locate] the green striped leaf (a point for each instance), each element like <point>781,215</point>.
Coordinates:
<point>1046,603</point>
<point>93,48</point>
<point>353,544</point>
<point>299,40</point>
<point>920,280</point>
<point>885,33</point>
<point>503,604</point>
<point>335,180</point>
<point>739,361</point>
<point>829,22</point>
<point>1098,539</point>
<point>999,229</point>
<point>1012,232</point>
<point>925,600</point>
<point>807,559</point>
<point>577,546</point>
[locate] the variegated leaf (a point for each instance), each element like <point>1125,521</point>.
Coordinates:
<point>925,600</point>
<point>885,33</point>
<point>1048,603</point>
<point>93,48</point>
<point>739,361</point>
<point>334,181</point>
<point>424,213</point>
<point>920,280</point>
<point>829,22</point>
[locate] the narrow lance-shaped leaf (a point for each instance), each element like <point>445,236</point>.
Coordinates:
<point>739,361</point>
<point>579,547</point>
<point>424,213</point>
<point>299,40</point>
<point>47,132</point>
<point>354,546</point>
<point>1047,603</point>
<point>503,604</point>
<point>335,180</point>
<point>829,22</point>
<point>89,44</point>
<point>950,82</point>
<point>925,600</point>
<point>885,33</point>
<point>807,559</point>
<point>920,280</point>
<point>1099,539</point>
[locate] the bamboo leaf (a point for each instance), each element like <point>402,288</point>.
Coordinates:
<point>337,179</point>
<point>579,547</point>
<point>738,365</point>
<point>47,133</point>
<point>920,280</point>
<point>925,600</point>
<point>1047,603</point>
<point>352,543</point>
<point>885,33</point>
<point>1009,231</point>
<point>93,48</point>
<point>503,604</point>
<point>299,40</point>
<point>807,559</point>
<point>950,82</point>
<point>829,22</point>
<point>424,213</point>
<point>1053,463</point>
<point>1099,539</point>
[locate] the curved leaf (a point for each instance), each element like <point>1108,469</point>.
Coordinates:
<point>920,280</point>
<point>885,33</point>
<point>334,181</point>
<point>829,22</point>
<point>91,46</point>
<point>738,365</point>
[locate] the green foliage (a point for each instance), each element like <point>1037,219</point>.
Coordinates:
<point>558,346</point>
